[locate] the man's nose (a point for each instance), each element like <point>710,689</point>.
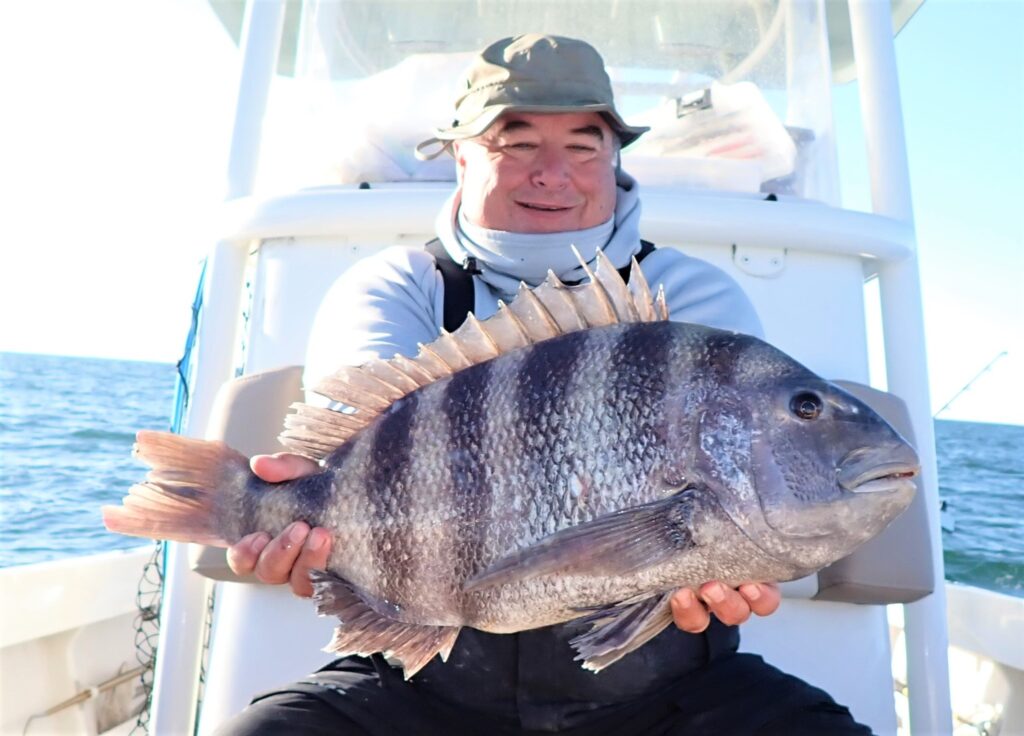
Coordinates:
<point>551,168</point>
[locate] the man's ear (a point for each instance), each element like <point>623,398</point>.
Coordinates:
<point>460,161</point>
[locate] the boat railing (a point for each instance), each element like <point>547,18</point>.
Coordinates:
<point>701,217</point>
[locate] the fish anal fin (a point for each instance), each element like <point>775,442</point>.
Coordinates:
<point>366,630</point>
<point>616,544</point>
<point>620,629</point>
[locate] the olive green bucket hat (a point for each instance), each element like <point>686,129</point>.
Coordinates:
<point>531,73</point>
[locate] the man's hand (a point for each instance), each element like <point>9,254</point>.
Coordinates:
<point>290,556</point>
<point>732,607</point>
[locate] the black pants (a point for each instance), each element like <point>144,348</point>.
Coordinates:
<point>738,694</point>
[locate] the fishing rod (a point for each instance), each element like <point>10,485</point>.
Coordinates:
<point>970,383</point>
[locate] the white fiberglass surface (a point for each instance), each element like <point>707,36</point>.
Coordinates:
<point>737,92</point>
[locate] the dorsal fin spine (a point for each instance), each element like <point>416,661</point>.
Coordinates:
<point>662,303</point>
<point>604,301</point>
<point>478,326</point>
<point>640,291</point>
<point>618,293</point>
<point>504,308</point>
<point>428,352</point>
<point>528,297</point>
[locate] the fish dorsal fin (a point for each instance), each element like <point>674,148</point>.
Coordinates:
<point>549,310</point>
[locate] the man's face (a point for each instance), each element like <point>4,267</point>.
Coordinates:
<point>539,173</point>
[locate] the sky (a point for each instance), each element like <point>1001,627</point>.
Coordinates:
<point>113,151</point>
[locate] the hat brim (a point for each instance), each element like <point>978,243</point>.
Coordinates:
<point>478,125</point>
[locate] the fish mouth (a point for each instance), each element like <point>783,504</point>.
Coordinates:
<point>883,482</point>
<point>861,471</point>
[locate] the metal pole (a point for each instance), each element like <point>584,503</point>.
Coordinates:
<point>261,44</point>
<point>183,613</point>
<point>906,364</point>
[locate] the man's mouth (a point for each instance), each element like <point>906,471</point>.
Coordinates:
<point>542,207</point>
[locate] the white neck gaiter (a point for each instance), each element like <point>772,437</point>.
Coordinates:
<point>528,256</point>
<point>505,259</point>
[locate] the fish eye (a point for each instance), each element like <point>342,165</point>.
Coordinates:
<point>806,405</point>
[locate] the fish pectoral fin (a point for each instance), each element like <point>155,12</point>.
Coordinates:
<point>621,628</point>
<point>364,630</point>
<point>617,544</point>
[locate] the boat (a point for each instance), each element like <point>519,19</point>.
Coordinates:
<point>740,169</point>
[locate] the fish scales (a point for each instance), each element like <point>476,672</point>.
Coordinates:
<point>594,470</point>
<point>388,485</point>
<point>471,438</point>
<point>428,480</point>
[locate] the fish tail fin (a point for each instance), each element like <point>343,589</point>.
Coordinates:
<point>178,499</point>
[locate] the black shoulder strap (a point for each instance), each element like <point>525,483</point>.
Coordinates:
<point>458,281</point>
<point>458,286</point>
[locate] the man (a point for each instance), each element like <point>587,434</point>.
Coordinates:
<point>536,144</point>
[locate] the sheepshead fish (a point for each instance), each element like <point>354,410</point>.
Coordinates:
<point>575,456</point>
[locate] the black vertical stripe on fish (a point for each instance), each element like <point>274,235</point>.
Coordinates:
<point>464,405</point>
<point>255,489</point>
<point>545,375</point>
<point>723,351</point>
<point>637,379</point>
<point>389,492</point>
<point>313,493</point>
<point>639,368</point>
<point>545,387</point>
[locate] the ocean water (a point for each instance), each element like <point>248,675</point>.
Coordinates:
<point>67,427</point>
<point>981,479</point>
<point>66,431</point>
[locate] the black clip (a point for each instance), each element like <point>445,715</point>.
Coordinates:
<point>693,102</point>
<point>469,263</point>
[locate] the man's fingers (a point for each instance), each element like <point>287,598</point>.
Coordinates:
<point>763,598</point>
<point>243,555</point>
<point>282,466</point>
<point>277,559</point>
<point>689,613</point>
<point>313,556</point>
<point>692,612</point>
<point>731,608</point>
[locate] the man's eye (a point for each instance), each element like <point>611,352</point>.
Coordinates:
<point>522,146</point>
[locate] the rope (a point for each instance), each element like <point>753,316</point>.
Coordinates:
<point>147,630</point>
